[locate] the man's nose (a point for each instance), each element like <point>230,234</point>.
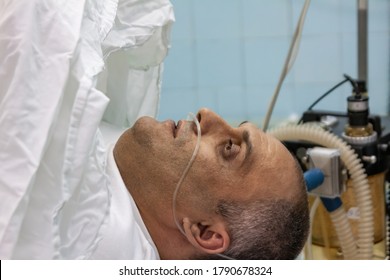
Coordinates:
<point>211,122</point>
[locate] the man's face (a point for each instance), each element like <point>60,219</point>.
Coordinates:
<point>241,163</point>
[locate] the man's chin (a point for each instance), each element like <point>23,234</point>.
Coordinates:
<point>142,130</point>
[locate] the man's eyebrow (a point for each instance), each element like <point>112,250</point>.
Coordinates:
<point>242,123</point>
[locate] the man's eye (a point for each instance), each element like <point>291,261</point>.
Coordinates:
<point>231,150</point>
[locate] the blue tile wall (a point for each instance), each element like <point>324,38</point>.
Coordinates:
<point>227,55</point>
<point>258,14</point>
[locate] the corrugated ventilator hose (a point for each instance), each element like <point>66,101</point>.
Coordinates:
<point>362,248</point>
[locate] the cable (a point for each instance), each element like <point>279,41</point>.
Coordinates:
<point>353,84</point>
<point>292,54</point>
<point>347,78</point>
<point>326,94</point>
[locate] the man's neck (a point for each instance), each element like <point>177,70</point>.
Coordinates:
<point>170,242</point>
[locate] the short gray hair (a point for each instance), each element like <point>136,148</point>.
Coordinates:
<point>267,229</point>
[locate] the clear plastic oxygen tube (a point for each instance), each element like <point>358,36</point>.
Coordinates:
<point>195,152</point>
<point>185,172</point>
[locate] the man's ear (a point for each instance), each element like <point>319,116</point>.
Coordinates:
<point>211,238</point>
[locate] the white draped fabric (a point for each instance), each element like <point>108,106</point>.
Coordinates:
<point>65,66</point>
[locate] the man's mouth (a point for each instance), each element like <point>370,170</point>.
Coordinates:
<point>176,127</point>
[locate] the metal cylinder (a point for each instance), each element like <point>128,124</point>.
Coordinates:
<point>362,39</point>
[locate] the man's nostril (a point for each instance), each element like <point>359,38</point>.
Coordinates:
<point>199,117</point>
